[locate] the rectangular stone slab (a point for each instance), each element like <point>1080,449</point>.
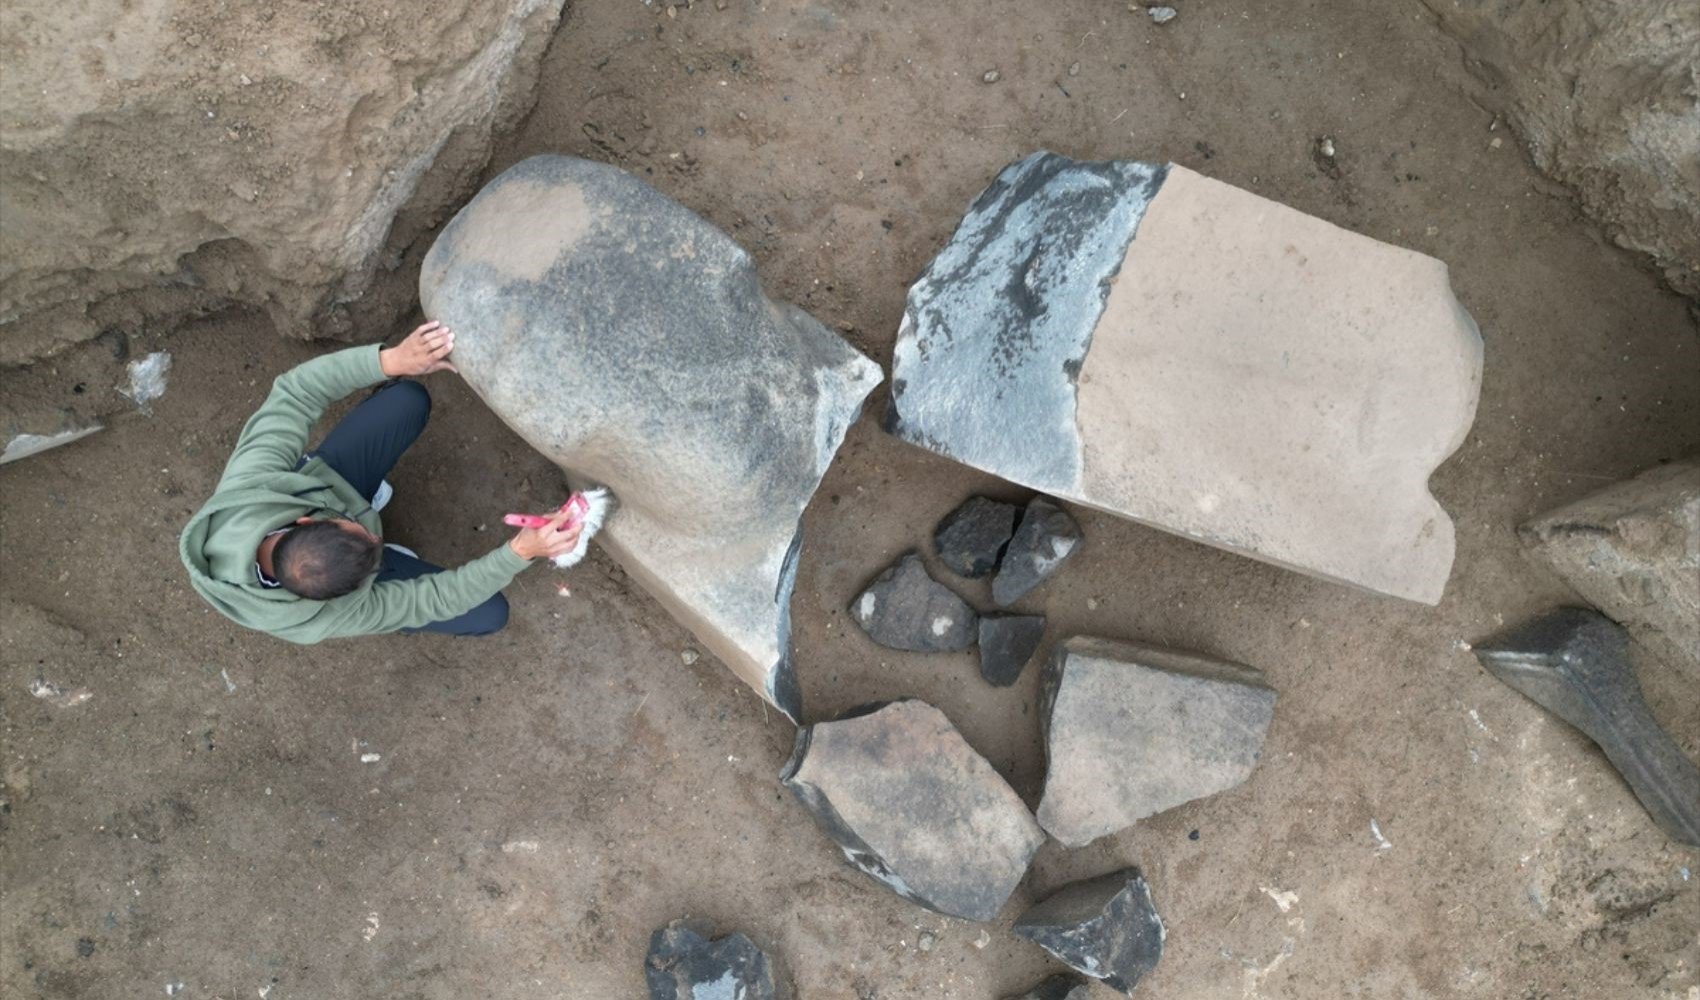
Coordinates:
<point>1161,346</point>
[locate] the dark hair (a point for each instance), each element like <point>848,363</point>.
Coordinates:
<point>323,560</point>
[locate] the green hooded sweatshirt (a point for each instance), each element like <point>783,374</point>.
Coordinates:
<point>262,490</point>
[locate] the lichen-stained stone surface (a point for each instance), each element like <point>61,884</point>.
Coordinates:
<point>628,340</point>
<point>1633,551</point>
<point>1132,730</point>
<point>1150,342</point>
<point>914,806</point>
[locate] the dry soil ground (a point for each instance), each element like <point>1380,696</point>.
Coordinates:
<point>543,799</point>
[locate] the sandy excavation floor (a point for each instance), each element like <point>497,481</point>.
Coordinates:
<point>542,800</point>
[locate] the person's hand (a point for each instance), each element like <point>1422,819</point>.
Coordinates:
<point>425,350</point>
<point>549,541</point>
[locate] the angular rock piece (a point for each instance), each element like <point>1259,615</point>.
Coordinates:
<point>685,965</point>
<point>905,608</point>
<point>1046,537</point>
<point>1240,373</point>
<point>1575,664</point>
<point>1633,551</point>
<point>629,341</point>
<point>913,805</point>
<point>1132,730</point>
<point>1057,988</point>
<point>1105,927</point>
<point>971,540</point>
<point>1007,642</point>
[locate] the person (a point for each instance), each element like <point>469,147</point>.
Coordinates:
<point>291,543</point>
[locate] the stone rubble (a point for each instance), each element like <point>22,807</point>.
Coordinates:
<point>1056,988</point>
<point>1105,928</point>
<point>905,608</point>
<point>1132,730</point>
<point>1007,642</point>
<point>911,804</point>
<point>1046,537</point>
<point>683,964</point>
<point>971,540</point>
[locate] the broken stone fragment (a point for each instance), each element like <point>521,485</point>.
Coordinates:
<point>1007,642</point>
<point>1575,663</point>
<point>1056,988</point>
<point>629,341</point>
<point>1047,536</point>
<point>1633,551</point>
<point>683,964</point>
<point>1132,730</point>
<point>1105,927</point>
<point>905,608</point>
<point>914,806</point>
<point>1188,355</point>
<point>971,540</point>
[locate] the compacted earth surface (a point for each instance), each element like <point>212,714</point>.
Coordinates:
<point>191,810</point>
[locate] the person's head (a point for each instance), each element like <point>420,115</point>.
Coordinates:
<point>320,560</point>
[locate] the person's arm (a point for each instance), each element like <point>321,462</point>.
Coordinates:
<point>437,597</point>
<point>434,597</point>
<point>276,435</point>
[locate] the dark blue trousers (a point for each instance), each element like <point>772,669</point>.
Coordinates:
<point>363,447</point>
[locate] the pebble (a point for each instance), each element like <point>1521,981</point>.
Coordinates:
<point>1162,15</point>
<point>992,76</point>
<point>688,655</point>
<point>1074,70</point>
<point>926,941</point>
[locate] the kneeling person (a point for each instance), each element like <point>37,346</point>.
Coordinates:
<point>290,542</point>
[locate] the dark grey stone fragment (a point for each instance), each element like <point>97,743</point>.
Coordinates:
<point>685,965</point>
<point>1057,988</point>
<point>1575,663</point>
<point>971,540</point>
<point>1047,536</point>
<point>1007,642</point>
<point>1105,927</point>
<point>905,608</point>
<point>913,806</point>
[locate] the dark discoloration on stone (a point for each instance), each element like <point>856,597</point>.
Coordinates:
<point>912,805</point>
<point>1575,663</point>
<point>1057,988</point>
<point>629,341</point>
<point>683,964</point>
<point>971,540</point>
<point>905,608</point>
<point>1106,928</point>
<point>1047,536</point>
<point>994,324</point>
<point>1633,551</point>
<point>1132,730</point>
<point>1007,642</point>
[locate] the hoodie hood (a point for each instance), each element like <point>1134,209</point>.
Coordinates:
<point>220,543</point>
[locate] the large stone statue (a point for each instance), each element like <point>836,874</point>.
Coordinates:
<point>1140,339</point>
<point>629,341</point>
